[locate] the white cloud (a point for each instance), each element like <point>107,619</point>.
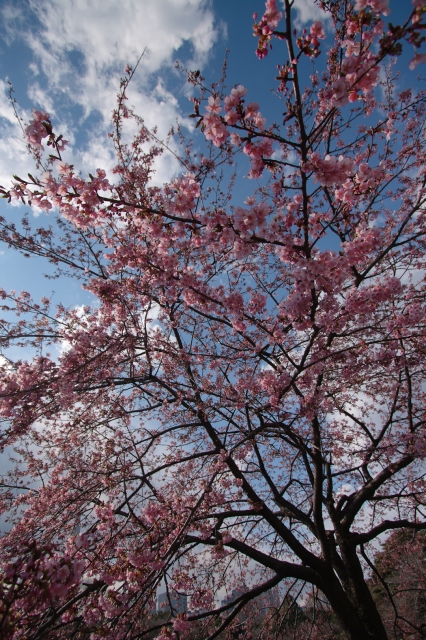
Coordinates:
<point>307,12</point>
<point>107,33</point>
<point>14,157</point>
<point>41,98</point>
<point>79,50</point>
<point>82,46</point>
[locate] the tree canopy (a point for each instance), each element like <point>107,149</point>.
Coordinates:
<point>242,411</point>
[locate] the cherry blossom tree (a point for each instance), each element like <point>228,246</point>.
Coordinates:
<point>242,413</point>
<point>399,584</point>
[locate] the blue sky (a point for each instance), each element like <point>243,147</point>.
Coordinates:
<point>66,57</point>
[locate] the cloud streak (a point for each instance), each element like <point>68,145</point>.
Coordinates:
<point>78,51</point>
<point>307,11</point>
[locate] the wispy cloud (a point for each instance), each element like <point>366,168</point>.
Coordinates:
<point>78,51</point>
<point>307,11</point>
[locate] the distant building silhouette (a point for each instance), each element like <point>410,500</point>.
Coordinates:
<point>179,602</point>
<point>269,599</point>
<point>235,593</point>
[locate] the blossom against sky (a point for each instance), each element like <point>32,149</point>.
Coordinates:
<point>67,58</point>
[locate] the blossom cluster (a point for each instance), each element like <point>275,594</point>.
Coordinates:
<point>76,198</point>
<point>184,192</point>
<point>40,127</point>
<point>309,43</point>
<point>359,73</point>
<point>242,359</point>
<point>378,6</point>
<point>249,117</point>
<point>46,573</point>
<point>363,181</point>
<point>264,29</point>
<point>329,170</point>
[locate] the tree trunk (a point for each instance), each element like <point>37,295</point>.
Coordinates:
<point>356,610</point>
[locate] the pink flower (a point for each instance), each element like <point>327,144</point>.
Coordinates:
<point>349,64</point>
<point>378,6</point>
<point>317,30</point>
<point>251,109</point>
<point>418,59</point>
<point>81,541</point>
<point>62,574</point>
<point>330,170</point>
<point>272,15</point>
<point>40,116</point>
<point>232,117</point>
<point>240,91</point>
<point>36,130</point>
<point>214,105</point>
<point>214,129</point>
<point>181,625</point>
<point>62,144</point>
<point>265,28</point>
<point>340,92</point>
<point>345,194</point>
<point>236,94</point>
<point>231,102</point>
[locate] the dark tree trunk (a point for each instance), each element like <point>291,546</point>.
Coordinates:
<point>360,620</point>
<point>350,597</point>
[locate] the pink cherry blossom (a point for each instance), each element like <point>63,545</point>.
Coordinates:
<point>238,418</point>
<point>329,170</point>
<point>214,105</point>
<point>38,128</point>
<point>340,92</point>
<point>418,59</point>
<point>379,6</point>
<point>317,30</point>
<point>214,129</point>
<point>181,625</point>
<point>265,28</point>
<point>272,15</point>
